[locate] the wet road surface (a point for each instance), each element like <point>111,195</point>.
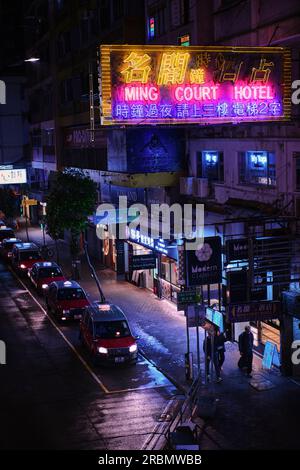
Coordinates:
<point>52,397</point>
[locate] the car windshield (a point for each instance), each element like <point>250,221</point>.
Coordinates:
<point>6,234</point>
<point>30,254</point>
<point>111,329</point>
<point>8,245</point>
<point>70,294</point>
<point>50,272</point>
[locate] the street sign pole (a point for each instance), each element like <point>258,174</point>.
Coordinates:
<point>198,338</point>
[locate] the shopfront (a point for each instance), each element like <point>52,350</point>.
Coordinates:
<point>153,263</point>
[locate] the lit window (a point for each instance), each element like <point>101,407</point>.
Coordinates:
<point>210,165</point>
<point>257,167</point>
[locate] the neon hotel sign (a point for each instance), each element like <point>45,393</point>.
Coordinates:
<point>173,84</point>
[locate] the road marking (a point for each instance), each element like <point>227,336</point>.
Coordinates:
<point>142,388</point>
<point>85,364</point>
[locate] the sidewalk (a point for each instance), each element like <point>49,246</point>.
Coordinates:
<point>246,418</point>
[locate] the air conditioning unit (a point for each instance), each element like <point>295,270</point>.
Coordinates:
<point>201,188</point>
<point>186,185</point>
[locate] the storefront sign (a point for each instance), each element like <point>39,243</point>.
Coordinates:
<point>157,244</point>
<point>16,176</point>
<point>196,84</point>
<point>215,317</point>
<point>81,137</point>
<point>204,266</point>
<point>143,262</point>
<point>254,311</point>
<point>237,249</point>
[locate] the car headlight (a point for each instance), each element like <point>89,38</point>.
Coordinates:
<point>102,350</point>
<point>132,348</point>
<point>22,266</point>
<point>65,312</point>
<point>44,286</point>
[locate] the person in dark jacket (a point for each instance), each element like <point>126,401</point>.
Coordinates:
<point>212,354</point>
<point>246,350</point>
<point>220,345</point>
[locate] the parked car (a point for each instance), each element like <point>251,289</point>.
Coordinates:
<point>6,232</point>
<point>105,332</point>
<point>24,255</point>
<point>44,273</point>
<point>6,247</point>
<point>66,300</point>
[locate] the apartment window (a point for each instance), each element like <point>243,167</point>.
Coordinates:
<point>297,170</point>
<point>180,12</point>
<point>257,167</point>
<point>118,9</point>
<point>66,91</point>
<point>105,14</point>
<point>64,44</point>
<point>210,165</point>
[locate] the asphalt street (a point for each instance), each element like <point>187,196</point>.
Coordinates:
<point>52,397</point>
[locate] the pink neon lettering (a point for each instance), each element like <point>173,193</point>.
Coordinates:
<point>247,92</point>
<point>139,93</point>
<point>197,93</point>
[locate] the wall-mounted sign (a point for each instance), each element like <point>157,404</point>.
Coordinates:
<point>16,176</point>
<point>237,249</point>
<point>254,311</point>
<point>157,244</point>
<point>80,137</point>
<point>155,150</point>
<point>138,262</point>
<point>204,265</point>
<point>196,84</point>
<point>187,297</point>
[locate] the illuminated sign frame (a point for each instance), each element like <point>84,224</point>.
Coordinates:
<point>13,176</point>
<point>152,84</point>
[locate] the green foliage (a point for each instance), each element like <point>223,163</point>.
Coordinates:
<point>71,200</point>
<point>9,203</point>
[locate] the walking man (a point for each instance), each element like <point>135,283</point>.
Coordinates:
<point>220,345</point>
<point>211,354</point>
<point>246,350</point>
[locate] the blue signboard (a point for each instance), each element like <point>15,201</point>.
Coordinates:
<point>155,150</point>
<point>271,356</point>
<point>156,244</point>
<point>215,317</point>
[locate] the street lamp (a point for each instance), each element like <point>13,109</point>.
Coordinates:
<point>32,59</point>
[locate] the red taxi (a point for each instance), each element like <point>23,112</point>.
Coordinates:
<point>6,247</point>
<point>66,300</point>
<point>105,332</point>
<point>42,274</point>
<point>24,255</point>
